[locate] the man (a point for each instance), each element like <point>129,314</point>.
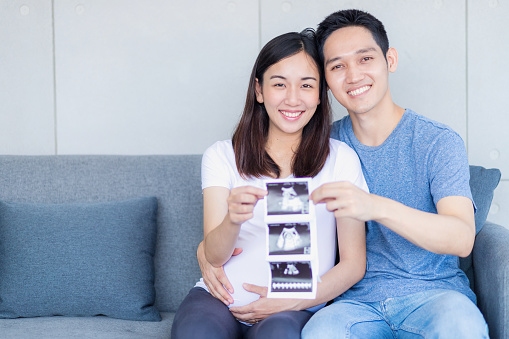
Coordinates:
<point>420,214</point>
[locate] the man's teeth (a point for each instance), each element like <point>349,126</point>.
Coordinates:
<point>291,115</point>
<point>359,90</point>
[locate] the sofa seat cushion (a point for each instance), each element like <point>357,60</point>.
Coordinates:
<point>86,328</point>
<point>78,259</point>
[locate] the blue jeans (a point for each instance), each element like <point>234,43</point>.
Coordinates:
<point>429,314</point>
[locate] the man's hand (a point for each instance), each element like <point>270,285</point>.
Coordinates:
<point>345,200</point>
<point>215,278</point>
<point>263,307</point>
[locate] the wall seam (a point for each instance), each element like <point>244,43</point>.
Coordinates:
<point>466,77</point>
<point>259,25</point>
<point>55,122</point>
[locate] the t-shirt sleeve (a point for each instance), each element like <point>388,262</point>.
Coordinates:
<point>215,166</point>
<point>349,167</point>
<point>449,173</point>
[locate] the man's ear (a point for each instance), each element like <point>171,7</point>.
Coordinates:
<point>258,90</point>
<point>392,59</point>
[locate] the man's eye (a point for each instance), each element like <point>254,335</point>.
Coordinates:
<point>337,67</point>
<point>366,58</point>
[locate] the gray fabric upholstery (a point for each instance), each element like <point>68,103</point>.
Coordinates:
<point>85,327</point>
<point>174,179</point>
<point>491,271</point>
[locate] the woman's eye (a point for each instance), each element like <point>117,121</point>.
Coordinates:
<point>279,85</point>
<point>307,86</point>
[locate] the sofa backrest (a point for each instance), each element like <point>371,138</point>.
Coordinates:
<point>173,179</point>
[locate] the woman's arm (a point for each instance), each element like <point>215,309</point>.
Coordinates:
<point>224,211</point>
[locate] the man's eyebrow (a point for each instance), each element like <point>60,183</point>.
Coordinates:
<point>360,51</point>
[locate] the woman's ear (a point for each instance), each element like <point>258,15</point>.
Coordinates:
<point>392,59</point>
<point>258,90</point>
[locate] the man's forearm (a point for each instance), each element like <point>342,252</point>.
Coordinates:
<point>451,231</point>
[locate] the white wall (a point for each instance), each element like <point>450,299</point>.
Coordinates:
<point>169,77</point>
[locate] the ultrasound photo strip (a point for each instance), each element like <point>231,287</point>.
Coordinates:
<point>292,280</point>
<point>288,199</point>
<point>291,239</point>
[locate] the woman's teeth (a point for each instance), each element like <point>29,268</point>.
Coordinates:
<point>291,115</point>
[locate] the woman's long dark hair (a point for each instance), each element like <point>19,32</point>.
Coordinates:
<point>250,136</point>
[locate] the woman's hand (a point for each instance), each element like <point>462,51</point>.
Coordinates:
<point>241,203</point>
<point>263,307</point>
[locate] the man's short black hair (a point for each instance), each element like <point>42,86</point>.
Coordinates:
<point>348,18</point>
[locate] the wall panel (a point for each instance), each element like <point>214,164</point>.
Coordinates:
<point>488,142</point>
<point>138,77</point>
<point>26,78</point>
<point>488,46</point>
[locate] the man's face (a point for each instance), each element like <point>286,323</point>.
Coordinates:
<point>356,70</point>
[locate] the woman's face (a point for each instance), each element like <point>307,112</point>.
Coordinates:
<point>290,93</point>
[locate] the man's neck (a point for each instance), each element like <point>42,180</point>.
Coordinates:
<point>374,127</point>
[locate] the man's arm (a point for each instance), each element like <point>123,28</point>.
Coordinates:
<point>215,278</point>
<point>450,231</point>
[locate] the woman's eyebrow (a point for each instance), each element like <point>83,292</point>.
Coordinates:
<point>282,77</point>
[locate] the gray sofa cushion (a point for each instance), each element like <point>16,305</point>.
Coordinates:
<point>173,179</point>
<point>482,184</point>
<point>85,327</point>
<point>79,259</point>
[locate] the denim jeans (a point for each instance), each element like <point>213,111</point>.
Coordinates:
<point>429,314</point>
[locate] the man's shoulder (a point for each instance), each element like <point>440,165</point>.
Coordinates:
<point>428,129</point>
<point>338,127</point>
<point>422,121</point>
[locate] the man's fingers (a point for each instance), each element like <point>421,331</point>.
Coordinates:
<point>225,283</point>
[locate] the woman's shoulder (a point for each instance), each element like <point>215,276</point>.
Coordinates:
<point>220,148</point>
<point>340,148</point>
<point>221,145</point>
<point>218,165</point>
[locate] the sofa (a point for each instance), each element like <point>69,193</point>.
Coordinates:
<point>105,246</point>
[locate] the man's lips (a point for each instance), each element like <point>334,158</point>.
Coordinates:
<point>359,90</point>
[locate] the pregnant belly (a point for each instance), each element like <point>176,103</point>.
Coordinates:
<point>248,267</point>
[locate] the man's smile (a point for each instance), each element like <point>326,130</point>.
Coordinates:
<point>359,91</point>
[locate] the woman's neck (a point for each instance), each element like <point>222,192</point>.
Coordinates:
<point>282,149</point>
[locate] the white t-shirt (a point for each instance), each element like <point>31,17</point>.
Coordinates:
<point>219,169</point>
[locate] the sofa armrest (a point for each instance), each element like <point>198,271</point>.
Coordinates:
<point>491,272</point>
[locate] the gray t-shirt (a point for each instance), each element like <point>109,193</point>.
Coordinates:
<point>421,162</point>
